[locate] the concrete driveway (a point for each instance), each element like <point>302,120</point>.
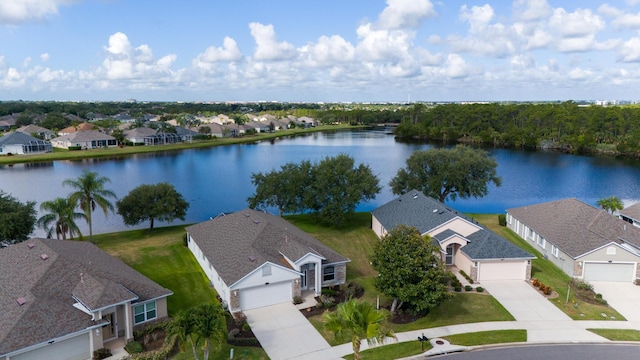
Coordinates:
<point>622,296</point>
<point>284,332</point>
<point>523,301</point>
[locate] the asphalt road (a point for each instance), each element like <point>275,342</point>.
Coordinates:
<point>559,351</point>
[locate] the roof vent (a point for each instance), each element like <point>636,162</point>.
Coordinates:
<point>44,256</point>
<point>247,215</point>
<point>31,245</point>
<point>21,301</point>
<point>252,258</point>
<point>435,211</point>
<point>415,196</point>
<point>256,221</point>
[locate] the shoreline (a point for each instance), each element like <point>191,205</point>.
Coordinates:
<point>124,151</point>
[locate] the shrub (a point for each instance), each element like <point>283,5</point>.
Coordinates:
<point>535,282</point>
<point>547,290</point>
<point>327,301</point>
<point>72,148</point>
<point>502,219</point>
<point>598,296</point>
<point>233,333</point>
<point>468,288</point>
<point>298,300</point>
<point>582,285</point>
<point>457,288</point>
<point>102,353</point>
<point>464,274</point>
<point>479,289</point>
<point>328,292</point>
<point>134,347</point>
<point>246,327</point>
<point>351,290</point>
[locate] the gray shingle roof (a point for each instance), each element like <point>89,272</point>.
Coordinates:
<point>17,138</point>
<point>420,211</point>
<point>231,241</point>
<point>575,227</point>
<point>73,270</point>
<point>632,212</point>
<point>414,209</point>
<point>84,135</point>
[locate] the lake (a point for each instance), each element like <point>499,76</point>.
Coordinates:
<point>218,179</point>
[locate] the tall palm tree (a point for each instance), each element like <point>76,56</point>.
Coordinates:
<point>183,326</point>
<point>210,325</point>
<point>60,218</point>
<point>358,320</point>
<point>611,204</point>
<point>90,192</point>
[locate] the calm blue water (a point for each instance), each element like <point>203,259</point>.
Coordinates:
<point>218,179</point>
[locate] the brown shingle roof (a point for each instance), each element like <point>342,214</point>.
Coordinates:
<point>575,227</point>
<point>231,241</point>
<point>73,270</point>
<point>632,212</point>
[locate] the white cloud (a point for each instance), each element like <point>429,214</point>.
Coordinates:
<point>44,57</point>
<point>456,66</point>
<point>267,47</point>
<point>484,37</point>
<point>630,50</point>
<point>382,45</point>
<point>580,23</point>
<point>327,51</point>
<point>531,10</point>
<point>13,12</point>
<point>405,13</point>
<point>621,19</point>
<point>26,61</point>
<point>228,52</point>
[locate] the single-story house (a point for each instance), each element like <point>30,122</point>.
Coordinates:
<point>465,244</point>
<point>63,299</point>
<point>585,242</point>
<point>631,214</point>
<point>21,143</point>
<point>215,129</point>
<point>89,139</point>
<point>138,135</point>
<point>255,259</point>
<point>85,126</point>
<point>33,129</point>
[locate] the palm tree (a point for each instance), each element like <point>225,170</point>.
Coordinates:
<point>90,192</point>
<point>62,216</point>
<point>358,320</point>
<point>610,204</point>
<point>183,326</point>
<point>202,322</point>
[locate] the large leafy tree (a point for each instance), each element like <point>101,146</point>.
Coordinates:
<point>410,269</point>
<point>16,219</point>
<point>330,189</point>
<point>610,204</point>
<point>337,186</point>
<point>152,202</point>
<point>359,321</point>
<point>284,189</point>
<point>203,323</point>
<point>90,193</point>
<point>446,174</point>
<point>60,218</point>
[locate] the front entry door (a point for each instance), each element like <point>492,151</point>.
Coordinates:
<point>449,257</point>
<point>303,278</point>
<point>108,330</point>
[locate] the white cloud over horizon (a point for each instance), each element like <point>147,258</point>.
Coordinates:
<point>591,51</point>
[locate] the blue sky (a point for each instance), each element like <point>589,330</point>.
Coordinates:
<point>329,50</point>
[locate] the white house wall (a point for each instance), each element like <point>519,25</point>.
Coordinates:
<point>255,278</point>
<point>377,227</point>
<point>212,274</point>
<point>458,225</point>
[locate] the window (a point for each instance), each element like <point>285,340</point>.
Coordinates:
<point>328,273</point>
<point>531,234</point>
<point>266,270</point>
<point>541,242</point>
<point>554,250</point>
<point>144,312</point>
<point>611,250</point>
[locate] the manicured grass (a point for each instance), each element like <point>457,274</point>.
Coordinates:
<point>488,337</point>
<point>551,275</point>
<point>161,256</point>
<point>462,308</point>
<point>618,334</point>
<point>244,353</point>
<point>405,349</point>
<point>64,154</point>
<point>392,351</point>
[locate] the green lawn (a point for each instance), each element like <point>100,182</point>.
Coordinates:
<point>462,308</point>
<point>618,334</point>
<point>162,257</point>
<point>405,349</point>
<point>551,275</point>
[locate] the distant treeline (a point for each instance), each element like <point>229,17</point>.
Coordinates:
<point>561,126</point>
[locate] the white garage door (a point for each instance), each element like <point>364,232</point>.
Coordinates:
<point>503,270</point>
<point>265,295</point>
<point>76,348</point>
<point>608,272</point>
